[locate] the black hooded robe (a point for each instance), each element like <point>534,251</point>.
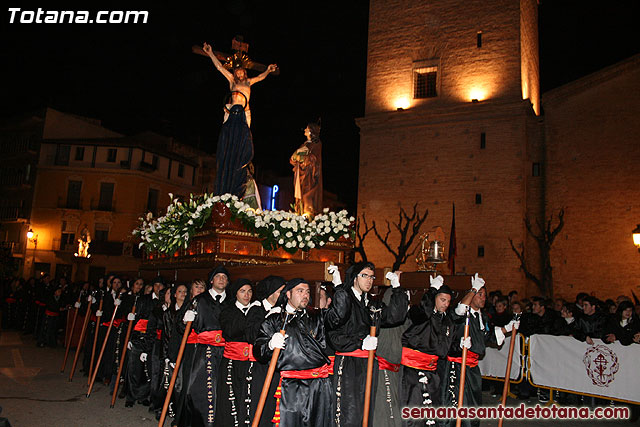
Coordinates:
<point>348,322</point>
<point>304,402</point>
<point>430,333</point>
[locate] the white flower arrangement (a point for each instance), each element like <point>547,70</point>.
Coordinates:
<point>176,228</point>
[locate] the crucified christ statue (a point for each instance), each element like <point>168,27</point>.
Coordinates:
<point>239,83</point>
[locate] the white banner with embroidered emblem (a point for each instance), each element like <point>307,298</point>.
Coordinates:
<point>609,370</point>
<point>494,363</point>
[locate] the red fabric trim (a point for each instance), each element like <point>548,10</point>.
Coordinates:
<point>11,300</point>
<point>51,313</point>
<point>236,350</point>
<point>117,322</point>
<point>159,334</point>
<point>419,360</point>
<point>355,353</point>
<point>472,359</point>
<point>333,360</point>
<point>206,337</point>
<point>385,365</point>
<point>40,303</point>
<point>141,326</point>
<point>306,374</point>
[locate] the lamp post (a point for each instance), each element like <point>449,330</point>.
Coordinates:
<point>34,239</point>
<point>636,237</point>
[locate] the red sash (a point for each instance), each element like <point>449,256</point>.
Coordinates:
<point>472,359</point>
<point>51,313</point>
<point>159,334</point>
<point>333,360</point>
<point>355,353</point>
<point>94,318</point>
<point>11,300</point>
<point>236,350</point>
<point>419,360</point>
<point>385,365</point>
<point>116,323</point>
<point>206,337</point>
<point>321,372</point>
<point>41,304</point>
<point>141,326</point>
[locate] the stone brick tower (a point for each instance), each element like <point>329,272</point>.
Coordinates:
<point>452,104</point>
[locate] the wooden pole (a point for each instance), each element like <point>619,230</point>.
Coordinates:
<point>122,355</point>
<point>463,370</point>
<point>369,381</point>
<point>174,375</point>
<point>73,325</point>
<point>267,380</point>
<point>87,315</point>
<point>507,375</point>
<point>104,345</point>
<point>95,340</point>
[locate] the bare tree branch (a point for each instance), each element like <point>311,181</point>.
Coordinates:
<point>408,228</point>
<point>361,236</point>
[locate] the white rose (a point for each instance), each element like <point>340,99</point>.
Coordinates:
<point>289,234</point>
<point>312,245</point>
<point>294,244</point>
<point>325,210</point>
<point>299,237</point>
<point>281,241</point>
<point>327,229</point>
<point>288,245</point>
<point>276,233</point>
<point>331,238</point>
<point>321,243</point>
<point>307,237</point>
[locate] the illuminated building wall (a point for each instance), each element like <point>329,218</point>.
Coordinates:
<point>504,157</point>
<point>102,183</point>
<point>443,147</point>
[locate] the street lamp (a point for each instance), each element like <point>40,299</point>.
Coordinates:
<point>34,239</point>
<point>636,237</point>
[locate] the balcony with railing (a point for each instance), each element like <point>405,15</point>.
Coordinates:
<point>12,247</point>
<point>11,213</point>
<point>103,205</point>
<point>70,203</point>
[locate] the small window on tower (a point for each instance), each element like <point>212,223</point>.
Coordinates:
<point>478,199</point>
<point>536,169</point>
<point>425,82</point>
<point>479,39</point>
<point>483,141</point>
<point>480,251</point>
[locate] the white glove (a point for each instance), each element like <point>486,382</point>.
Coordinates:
<point>477,282</point>
<point>143,357</point>
<point>514,324</point>
<point>437,282</point>
<point>369,343</point>
<point>77,304</point>
<point>277,341</point>
<point>117,302</point>
<point>129,345</point>
<point>465,342</point>
<point>98,313</point>
<point>394,279</point>
<point>333,270</point>
<point>92,299</point>
<point>189,316</point>
<point>173,365</point>
<point>131,316</point>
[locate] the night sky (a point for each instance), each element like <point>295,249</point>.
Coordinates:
<point>141,77</point>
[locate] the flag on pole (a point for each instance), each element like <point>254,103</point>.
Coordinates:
<point>453,249</point>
